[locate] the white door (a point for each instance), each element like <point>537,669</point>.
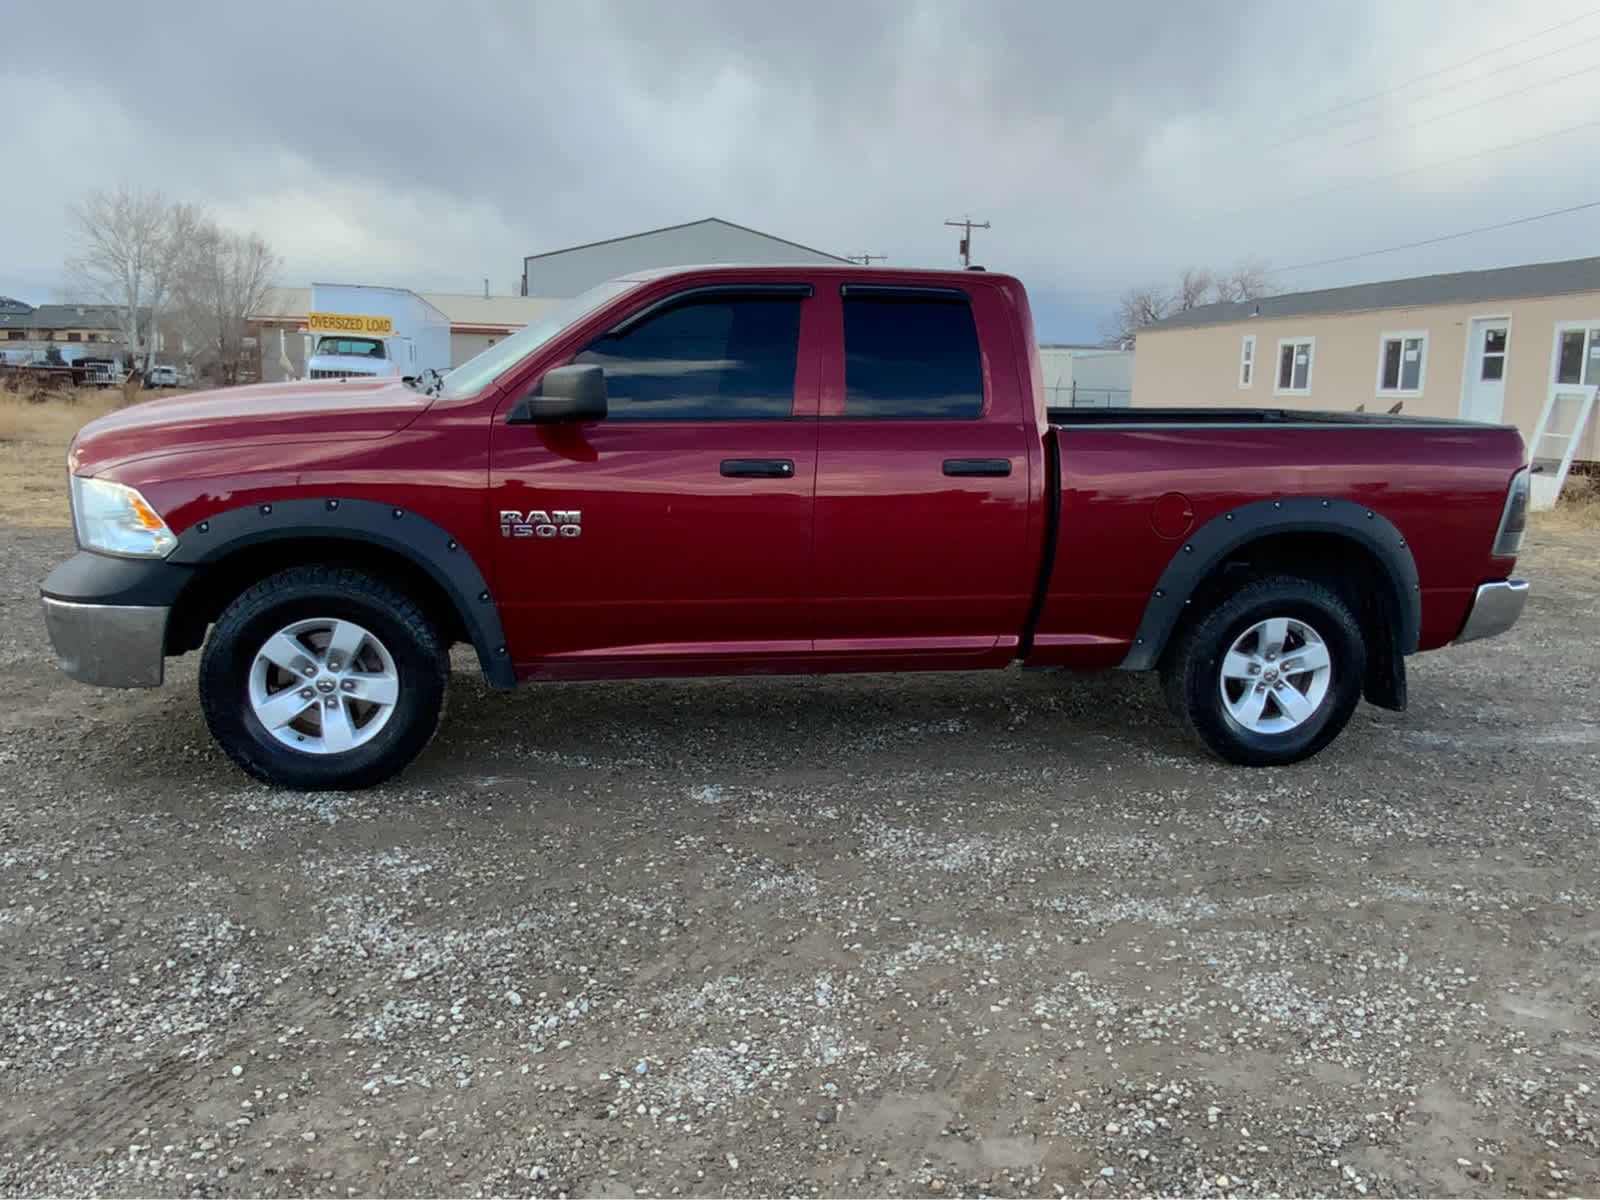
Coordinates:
<point>1483,391</point>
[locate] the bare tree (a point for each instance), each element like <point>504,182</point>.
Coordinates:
<point>1141,307</point>
<point>129,245</point>
<point>1195,285</point>
<point>1250,280</point>
<point>222,279</point>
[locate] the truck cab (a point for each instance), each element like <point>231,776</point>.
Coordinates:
<point>343,356</point>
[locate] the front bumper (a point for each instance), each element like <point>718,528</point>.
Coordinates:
<point>112,645</point>
<point>1495,609</point>
<point>107,617</point>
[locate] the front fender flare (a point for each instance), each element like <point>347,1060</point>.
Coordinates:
<point>414,537</point>
<point>1210,546</point>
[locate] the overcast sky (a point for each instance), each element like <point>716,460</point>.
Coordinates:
<point>431,146</point>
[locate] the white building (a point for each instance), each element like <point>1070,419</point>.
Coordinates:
<point>476,323</point>
<point>562,274</point>
<point>1086,376</point>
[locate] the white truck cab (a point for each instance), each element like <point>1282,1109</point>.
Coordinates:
<point>340,356</point>
<point>356,331</point>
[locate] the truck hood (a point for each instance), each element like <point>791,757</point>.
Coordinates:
<point>292,413</point>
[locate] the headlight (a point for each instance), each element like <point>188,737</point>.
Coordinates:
<point>116,519</point>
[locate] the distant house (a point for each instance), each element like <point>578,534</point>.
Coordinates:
<point>27,332</point>
<point>1481,345</point>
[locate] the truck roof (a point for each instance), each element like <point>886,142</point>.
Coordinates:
<point>943,276</point>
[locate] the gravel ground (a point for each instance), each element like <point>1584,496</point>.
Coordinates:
<point>922,935</point>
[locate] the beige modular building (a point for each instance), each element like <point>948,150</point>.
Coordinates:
<point>1480,345</point>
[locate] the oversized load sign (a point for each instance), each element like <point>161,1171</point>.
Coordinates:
<point>349,323</point>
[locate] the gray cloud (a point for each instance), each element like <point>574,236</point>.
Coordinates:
<point>1108,144</point>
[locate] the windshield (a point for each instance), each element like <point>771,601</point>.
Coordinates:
<point>474,374</point>
<point>357,347</point>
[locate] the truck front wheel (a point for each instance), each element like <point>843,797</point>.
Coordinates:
<point>321,677</point>
<point>1270,675</point>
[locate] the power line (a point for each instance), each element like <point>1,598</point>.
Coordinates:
<point>1400,87</point>
<point>1387,175</point>
<point>1449,237</point>
<point>1543,83</point>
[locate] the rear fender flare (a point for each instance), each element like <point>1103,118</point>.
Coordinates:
<point>395,529</point>
<point>1218,538</point>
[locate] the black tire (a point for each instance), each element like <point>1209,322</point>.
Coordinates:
<point>412,660</point>
<point>1192,672</point>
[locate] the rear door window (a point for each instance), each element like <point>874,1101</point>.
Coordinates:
<point>911,356</point>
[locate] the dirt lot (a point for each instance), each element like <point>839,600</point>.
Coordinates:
<point>935,935</point>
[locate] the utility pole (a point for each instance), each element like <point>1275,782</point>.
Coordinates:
<point>866,260</point>
<point>966,224</point>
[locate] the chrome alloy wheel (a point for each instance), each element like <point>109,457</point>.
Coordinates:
<point>323,686</point>
<point>1275,675</point>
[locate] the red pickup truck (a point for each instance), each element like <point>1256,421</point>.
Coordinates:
<point>734,470</point>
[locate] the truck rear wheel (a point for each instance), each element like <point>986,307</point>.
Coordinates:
<point>1269,676</point>
<point>320,677</point>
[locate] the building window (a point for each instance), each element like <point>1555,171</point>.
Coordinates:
<point>1247,361</point>
<point>1402,361</point>
<point>1578,353</point>
<point>74,336</point>
<point>16,335</point>
<point>94,337</point>
<point>1494,353</point>
<point>1294,366</point>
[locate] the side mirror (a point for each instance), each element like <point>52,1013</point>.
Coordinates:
<point>570,393</point>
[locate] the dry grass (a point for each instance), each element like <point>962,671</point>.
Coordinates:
<point>1578,508</point>
<point>34,435</point>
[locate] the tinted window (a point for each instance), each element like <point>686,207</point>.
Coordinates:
<point>722,359</point>
<point>911,357</point>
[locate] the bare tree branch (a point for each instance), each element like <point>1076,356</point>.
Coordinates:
<point>221,280</point>
<point>1141,307</point>
<point>1250,280</point>
<point>1195,285</point>
<point>122,244</point>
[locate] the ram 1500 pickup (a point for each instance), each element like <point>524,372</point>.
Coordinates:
<point>737,470</point>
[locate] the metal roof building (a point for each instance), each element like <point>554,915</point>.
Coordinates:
<point>565,273</point>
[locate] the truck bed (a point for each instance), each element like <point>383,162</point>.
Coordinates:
<point>1139,487</point>
<point>1067,418</point>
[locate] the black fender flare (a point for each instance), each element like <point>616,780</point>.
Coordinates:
<point>1209,546</point>
<point>399,530</point>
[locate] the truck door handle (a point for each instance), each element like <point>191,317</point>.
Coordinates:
<point>758,468</point>
<point>960,467</point>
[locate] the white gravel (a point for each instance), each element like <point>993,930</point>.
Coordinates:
<point>936,935</point>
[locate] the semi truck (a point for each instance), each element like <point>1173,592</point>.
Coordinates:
<point>361,332</point>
